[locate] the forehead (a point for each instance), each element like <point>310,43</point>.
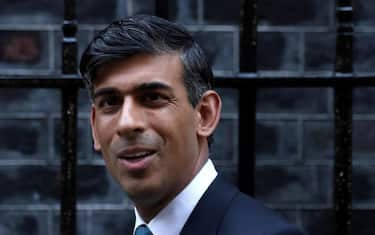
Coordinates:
<point>142,68</point>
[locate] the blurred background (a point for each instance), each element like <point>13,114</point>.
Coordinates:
<point>294,130</point>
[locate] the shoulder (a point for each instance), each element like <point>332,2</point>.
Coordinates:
<point>245,215</point>
<point>224,210</point>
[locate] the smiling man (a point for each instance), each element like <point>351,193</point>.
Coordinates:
<point>152,118</point>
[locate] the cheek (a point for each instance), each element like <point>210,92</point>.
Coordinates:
<point>173,129</point>
<point>179,132</point>
<point>105,130</point>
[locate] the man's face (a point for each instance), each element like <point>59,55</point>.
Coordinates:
<point>146,128</point>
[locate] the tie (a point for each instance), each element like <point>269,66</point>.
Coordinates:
<point>143,230</point>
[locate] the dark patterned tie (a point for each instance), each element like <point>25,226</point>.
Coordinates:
<point>143,230</point>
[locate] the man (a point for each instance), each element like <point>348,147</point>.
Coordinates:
<point>152,117</point>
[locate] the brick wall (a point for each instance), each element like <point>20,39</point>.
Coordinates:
<point>294,144</point>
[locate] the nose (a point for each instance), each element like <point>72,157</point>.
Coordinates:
<point>131,120</point>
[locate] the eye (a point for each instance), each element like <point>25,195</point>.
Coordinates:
<point>108,102</point>
<point>154,98</point>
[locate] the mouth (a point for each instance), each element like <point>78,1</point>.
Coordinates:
<point>136,155</point>
<point>136,159</point>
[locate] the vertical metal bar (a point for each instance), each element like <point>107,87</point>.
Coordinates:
<point>69,50</point>
<point>344,43</point>
<point>343,160</point>
<point>69,118</point>
<point>247,99</point>
<point>343,120</point>
<point>162,8</point>
<point>248,30</point>
<point>68,161</point>
<point>246,130</point>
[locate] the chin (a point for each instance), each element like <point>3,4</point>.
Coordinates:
<point>142,194</point>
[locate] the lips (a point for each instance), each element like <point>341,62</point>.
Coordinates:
<point>136,159</point>
<point>136,156</point>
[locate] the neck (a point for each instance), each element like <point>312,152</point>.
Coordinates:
<point>148,209</point>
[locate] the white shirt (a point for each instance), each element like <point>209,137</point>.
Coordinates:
<point>171,219</point>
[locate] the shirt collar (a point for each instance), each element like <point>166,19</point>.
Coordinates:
<point>171,219</point>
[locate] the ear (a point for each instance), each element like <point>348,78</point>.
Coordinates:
<point>208,108</point>
<point>93,129</point>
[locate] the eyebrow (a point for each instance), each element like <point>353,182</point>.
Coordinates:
<point>103,92</point>
<point>139,88</point>
<point>152,86</point>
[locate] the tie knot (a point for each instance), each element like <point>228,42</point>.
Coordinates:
<point>143,230</point>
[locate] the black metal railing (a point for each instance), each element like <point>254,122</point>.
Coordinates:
<point>247,82</point>
<point>69,116</point>
<point>343,99</point>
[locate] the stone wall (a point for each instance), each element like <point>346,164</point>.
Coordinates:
<point>294,144</point>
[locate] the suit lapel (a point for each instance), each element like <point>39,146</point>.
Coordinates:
<point>207,215</point>
<point>129,224</point>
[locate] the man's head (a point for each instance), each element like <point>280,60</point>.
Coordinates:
<point>152,109</point>
<point>144,34</point>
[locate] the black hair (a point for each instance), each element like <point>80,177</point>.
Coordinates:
<point>145,34</point>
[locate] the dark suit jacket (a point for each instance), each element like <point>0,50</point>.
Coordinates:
<point>223,210</point>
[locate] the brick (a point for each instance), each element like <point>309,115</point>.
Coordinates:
<point>267,139</point>
<point>363,184</point>
<point>363,222</point>
<point>288,148</point>
<point>31,12</point>
<point>109,222</point>
<point>143,7</point>
<point>46,101</point>
<point>278,51</point>
<point>183,11</point>
<point>276,140</point>
<point>320,50</point>
<point>219,48</point>
<point>318,140</point>
<point>294,12</point>
<point>225,144</point>
<point>292,100</point>
<point>364,52</point>
<point>23,223</point>
<point>29,185</point>
<point>363,14</point>
<point>84,102</point>
<point>363,100</point>
<point>95,185</point>
<point>222,12</point>
<point>363,136</point>
<point>23,139</point>
<point>83,138</point>
<point>24,50</point>
<point>96,12</point>
<point>229,98</point>
<point>43,11</point>
<point>289,185</point>
<point>318,222</point>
